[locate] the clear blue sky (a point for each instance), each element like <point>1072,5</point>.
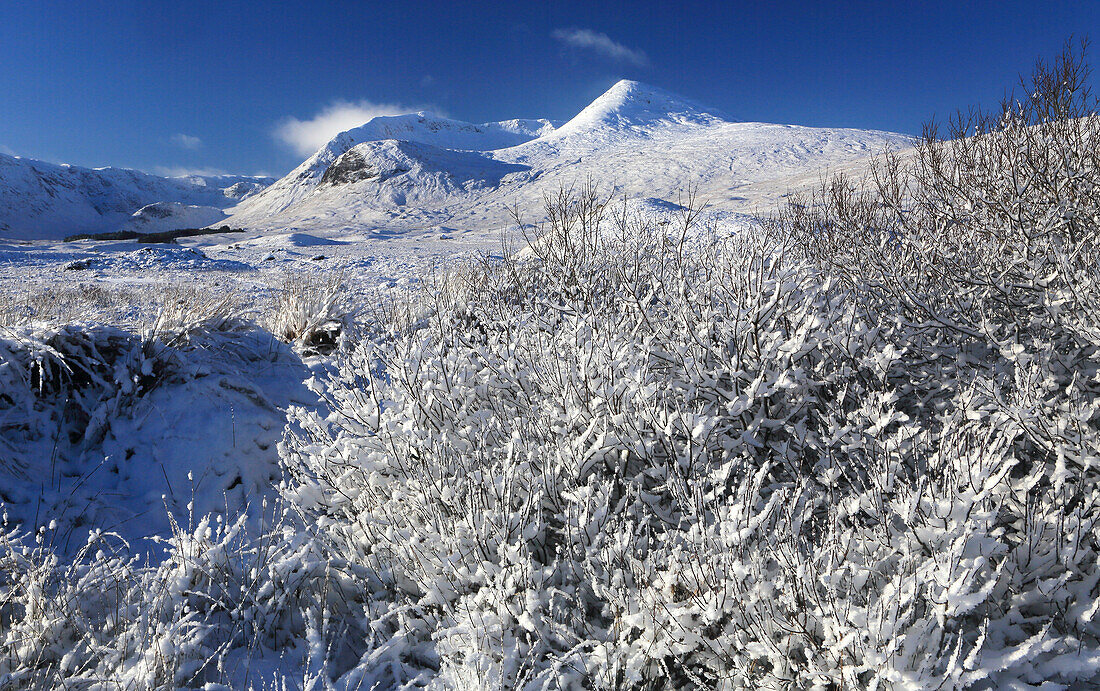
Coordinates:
<point>207,85</point>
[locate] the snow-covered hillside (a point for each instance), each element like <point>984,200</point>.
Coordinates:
<point>409,173</point>
<point>161,216</point>
<point>40,200</point>
<point>423,128</point>
<point>635,139</point>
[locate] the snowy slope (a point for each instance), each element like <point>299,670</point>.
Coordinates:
<point>423,128</point>
<point>634,139</point>
<point>40,200</point>
<point>161,216</point>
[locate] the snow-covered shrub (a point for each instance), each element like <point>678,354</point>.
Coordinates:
<point>78,376</point>
<point>857,451</point>
<point>991,233</point>
<point>311,312</point>
<point>511,473</point>
<point>497,470</point>
<point>98,620</point>
<point>186,314</point>
<point>208,613</point>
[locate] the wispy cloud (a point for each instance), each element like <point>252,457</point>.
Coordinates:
<point>184,171</point>
<point>306,136</point>
<point>7,150</point>
<point>586,39</point>
<point>186,141</point>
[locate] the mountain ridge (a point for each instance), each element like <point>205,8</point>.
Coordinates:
<point>634,138</point>
<point>417,170</point>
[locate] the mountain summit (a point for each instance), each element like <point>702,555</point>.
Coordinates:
<point>630,105</point>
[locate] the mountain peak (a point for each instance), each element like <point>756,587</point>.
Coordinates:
<point>629,86</point>
<point>631,105</point>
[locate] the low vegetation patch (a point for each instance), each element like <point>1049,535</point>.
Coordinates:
<point>166,236</point>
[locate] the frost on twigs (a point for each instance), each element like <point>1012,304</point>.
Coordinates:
<point>857,450</point>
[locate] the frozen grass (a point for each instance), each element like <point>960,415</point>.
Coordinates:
<point>311,312</point>
<point>154,307</point>
<point>72,303</point>
<point>859,449</point>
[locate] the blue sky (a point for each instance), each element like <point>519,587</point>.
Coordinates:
<point>246,86</point>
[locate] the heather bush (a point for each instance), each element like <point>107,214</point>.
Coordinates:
<point>857,450</point>
<point>311,312</point>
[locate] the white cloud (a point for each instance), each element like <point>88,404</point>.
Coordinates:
<point>186,141</point>
<point>306,136</point>
<point>586,39</point>
<point>184,171</point>
<point>7,150</point>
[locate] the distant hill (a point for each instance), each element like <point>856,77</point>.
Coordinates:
<point>40,200</point>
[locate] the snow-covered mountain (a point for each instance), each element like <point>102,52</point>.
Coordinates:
<point>420,170</point>
<point>438,133</point>
<point>40,200</point>
<point>410,171</point>
<point>163,216</point>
